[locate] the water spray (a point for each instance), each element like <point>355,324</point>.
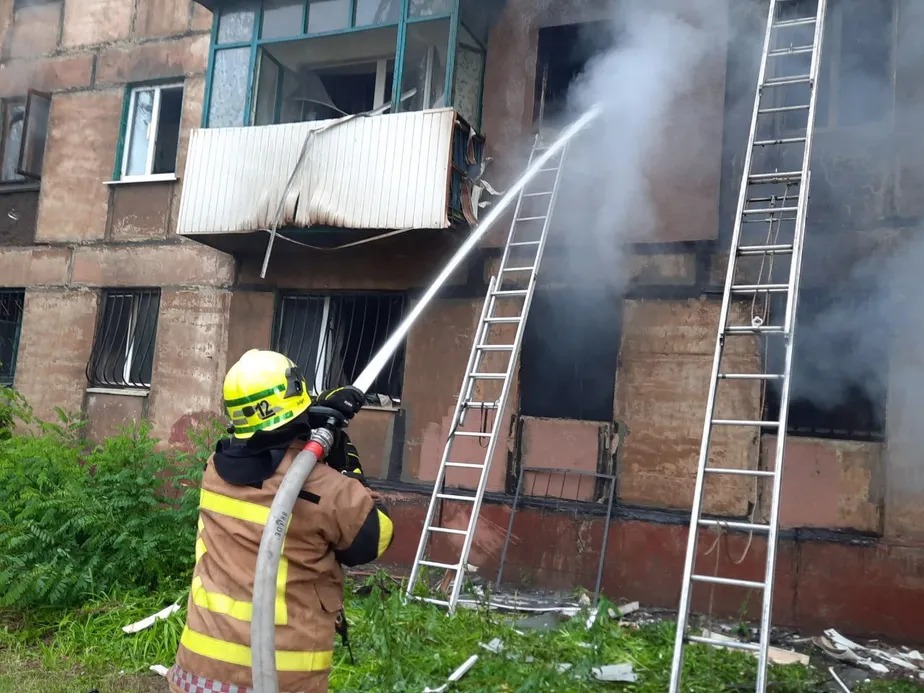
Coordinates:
<point>262,627</point>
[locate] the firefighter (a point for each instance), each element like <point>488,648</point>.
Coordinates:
<point>335,522</point>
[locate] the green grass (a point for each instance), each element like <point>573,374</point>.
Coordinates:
<point>397,647</point>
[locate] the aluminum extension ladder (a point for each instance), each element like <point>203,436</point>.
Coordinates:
<point>770,227</point>
<point>488,375</point>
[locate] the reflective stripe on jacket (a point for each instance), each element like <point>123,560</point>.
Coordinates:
<point>334,521</point>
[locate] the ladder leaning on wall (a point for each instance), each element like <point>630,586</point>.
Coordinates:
<point>486,383</point>
<point>769,229</point>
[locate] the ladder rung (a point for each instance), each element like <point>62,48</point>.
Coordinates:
<point>750,376</point>
<point>782,249</point>
<point>760,288</point>
<point>782,140</point>
<point>495,347</point>
<point>787,81</point>
<point>529,268</point>
<point>735,582</point>
<point>774,177</point>
<point>464,465</point>
<point>770,210</point>
<point>801,21</point>
<point>538,194</point>
<point>746,526</point>
<point>738,472</point>
<point>444,566</point>
<point>430,600</point>
<point>511,292</point>
<point>473,434</point>
<point>754,329</point>
<point>504,321</point>
<point>745,422</point>
<point>488,376</point>
<point>782,109</point>
<point>734,644</point>
<point>520,243</point>
<point>447,530</point>
<point>547,170</point>
<point>797,50</point>
<point>480,405</point>
<point>539,218</point>
<point>455,497</point>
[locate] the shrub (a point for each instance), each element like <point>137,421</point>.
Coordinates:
<point>73,524</point>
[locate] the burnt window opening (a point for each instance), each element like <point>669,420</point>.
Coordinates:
<point>332,338</point>
<point>11,308</point>
<point>23,130</point>
<point>126,332</point>
<point>563,54</point>
<point>569,354</point>
<point>839,368</point>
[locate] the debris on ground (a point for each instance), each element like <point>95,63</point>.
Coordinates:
<point>455,676</point>
<point>776,655</point>
<point>615,672</point>
<point>151,620</point>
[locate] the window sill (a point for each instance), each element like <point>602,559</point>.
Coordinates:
<point>19,187</point>
<point>128,392</point>
<point>157,178</point>
<point>374,407</point>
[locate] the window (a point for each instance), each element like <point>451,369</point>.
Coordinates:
<point>283,61</point>
<point>152,132</point>
<point>123,349</point>
<point>839,367</point>
<point>11,304</point>
<point>22,137</point>
<point>569,356</point>
<point>332,338</point>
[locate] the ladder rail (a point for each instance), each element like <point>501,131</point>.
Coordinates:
<point>686,589</point>
<point>505,389</point>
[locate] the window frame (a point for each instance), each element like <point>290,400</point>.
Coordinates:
<point>256,42</point>
<point>17,294</point>
<point>99,354</point>
<point>128,120</point>
<point>318,376</point>
<point>29,180</point>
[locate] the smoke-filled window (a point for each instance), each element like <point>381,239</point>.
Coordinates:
<point>839,368</point>
<point>569,355</point>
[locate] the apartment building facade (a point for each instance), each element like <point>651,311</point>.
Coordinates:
<point>143,247</point>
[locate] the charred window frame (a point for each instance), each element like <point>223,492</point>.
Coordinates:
<point>126,333</point>
<point>333,337</point>
<point>424,43</point>
<point>840,364</point>
<point>23,131</point>
<point>570,354</point>
<point>11,310</point>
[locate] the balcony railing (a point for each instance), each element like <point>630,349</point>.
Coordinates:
<point>393,171</point>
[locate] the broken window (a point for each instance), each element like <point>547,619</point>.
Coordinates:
<point>332,338</point>
<point>152,131</point>
<point>839,367</point>
<point>11,308</point>
<point>569,356</point>
<point>123,348</point>
<point>284,61</point>
<point>22,138</point>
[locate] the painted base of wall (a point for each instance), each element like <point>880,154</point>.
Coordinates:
<point>861,586</point>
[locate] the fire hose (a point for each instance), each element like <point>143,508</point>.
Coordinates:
<point>262,626</point>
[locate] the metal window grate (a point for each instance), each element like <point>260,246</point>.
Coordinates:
<point>332,338</point>
<point>123,349</point>
<point>11,305</point>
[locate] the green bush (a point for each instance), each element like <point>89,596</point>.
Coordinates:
<point>75,523</point>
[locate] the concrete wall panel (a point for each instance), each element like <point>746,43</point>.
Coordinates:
<point>21,267</point>
<point>18,215</point>
<point>34,31</point>
<point>178,264</point>
<point>161,17</point>
<point>108,414</point>
<point>89,22</point>
<point>140,211</point>
<point>372,431</point>
<point>45,74</point>
<point>250,322</point>
<point>155,60</point>
<point>79,156</point>
<point>54,347</point>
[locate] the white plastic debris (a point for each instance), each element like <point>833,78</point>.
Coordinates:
<point>914,655</point>
<point>455,676</point>
<point>592,618</point>
<point>159,669</point>
<point>151,620</point>
<point>838,680</point>
<point>777,655</point>
<point>627,609</point>
<point>495,646</point>
<point>615,672</point>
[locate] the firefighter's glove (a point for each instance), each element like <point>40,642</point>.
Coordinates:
<point>344,458</point>
<point>347,400</point>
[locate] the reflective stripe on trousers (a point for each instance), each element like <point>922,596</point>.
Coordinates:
<point>232,653</point>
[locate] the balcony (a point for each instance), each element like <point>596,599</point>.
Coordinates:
<point>385,172</point>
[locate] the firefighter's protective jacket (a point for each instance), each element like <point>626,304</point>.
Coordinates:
<point>334,521</point>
